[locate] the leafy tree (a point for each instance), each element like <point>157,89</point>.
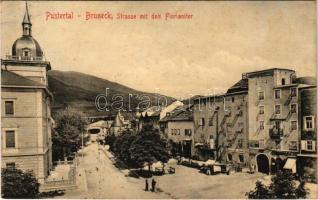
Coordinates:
<point>260,192</point>
<point>66,137</point>
<point>17,184</point>
<point>110,140</point>
<point>148,148</point>
<point>282,186</point>
<point>122,146</point>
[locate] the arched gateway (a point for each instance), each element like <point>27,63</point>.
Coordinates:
<point>262,163</point>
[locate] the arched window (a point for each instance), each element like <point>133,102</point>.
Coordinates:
<point>283,81</point>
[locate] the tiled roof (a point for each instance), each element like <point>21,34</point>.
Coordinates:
<point>12,79</point>
<point>181,113</point>
<point>240,86</point>
<point>152,111</point>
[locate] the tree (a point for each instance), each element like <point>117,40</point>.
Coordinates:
<point>148,148</point>
<point>17,184</point>
<point>260,192</point>
<point>110,140</point>
<point>282,186</point>
<point>66,137</point>
<point>122,146</point>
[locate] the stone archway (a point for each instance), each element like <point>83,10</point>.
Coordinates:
<point>262,162</point>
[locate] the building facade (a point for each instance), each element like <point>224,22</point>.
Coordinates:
<point>272,118</point>
<point>265,121</point>
<point>177,126</point>
<point>26,106</point>
<point>220,126</point>
<point>307,157</point>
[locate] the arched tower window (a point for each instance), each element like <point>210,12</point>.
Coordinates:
<point>283,81</point>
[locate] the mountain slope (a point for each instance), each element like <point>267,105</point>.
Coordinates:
<point>79,91</point>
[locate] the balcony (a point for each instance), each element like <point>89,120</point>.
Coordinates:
<point>275,133</point>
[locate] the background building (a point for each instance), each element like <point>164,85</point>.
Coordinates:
<point>177,126</point>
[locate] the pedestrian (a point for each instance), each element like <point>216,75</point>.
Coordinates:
<point>153,185</point>
<point>146,185</point>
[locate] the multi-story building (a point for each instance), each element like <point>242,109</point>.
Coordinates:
<point>261,121</point>
<point>177,126</point>
<point>220,125</point>
<point>307,157</point>
<point>26,106</point>
<point>272,118</point>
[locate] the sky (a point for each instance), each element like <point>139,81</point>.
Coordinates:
<point>176,57</point>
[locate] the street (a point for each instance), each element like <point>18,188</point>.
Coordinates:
<point>105,181</point>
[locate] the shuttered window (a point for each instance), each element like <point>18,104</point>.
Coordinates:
<point>308,145</point>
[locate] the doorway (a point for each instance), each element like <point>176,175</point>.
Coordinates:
<point>262,163</point>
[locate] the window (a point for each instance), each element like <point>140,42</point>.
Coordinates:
<point>241,157</point>
<point>229,157</point>
<point>293,145</point>
<point>309,145</point>
<point>233,99</point>
<point>309,123</point>
<point>240,143</point>
<point>9,110</point>
<point>293,108</point>
<point>293,92</point>
<point>187,132</point>
<point>201,122</point>
<point>211,121</point>
<point>277,125</point>
<point>261,95</point>
<point>293,125</point>
<point>261,110</point>
<point>277,109</point>
<point>10,139</point>
<point>283,81</point>
<point>26,53</point>
<point>277,94</point>
<point>261,125</point>
<point>10,165</point>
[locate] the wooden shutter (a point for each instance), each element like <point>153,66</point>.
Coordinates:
<point>303,145</point>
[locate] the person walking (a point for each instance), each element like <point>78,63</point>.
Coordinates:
<point>153,185</point>
<point>146,185</point>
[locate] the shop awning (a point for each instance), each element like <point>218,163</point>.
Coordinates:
<point>198,144</point>
<point>291,164</point>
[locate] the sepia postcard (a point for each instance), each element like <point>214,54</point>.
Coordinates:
<point>158,99</point>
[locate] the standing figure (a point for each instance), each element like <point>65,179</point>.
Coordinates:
<point>146,185</point>
<point>153,185</point>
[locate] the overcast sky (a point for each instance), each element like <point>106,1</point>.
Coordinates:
<point>180,57</point>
